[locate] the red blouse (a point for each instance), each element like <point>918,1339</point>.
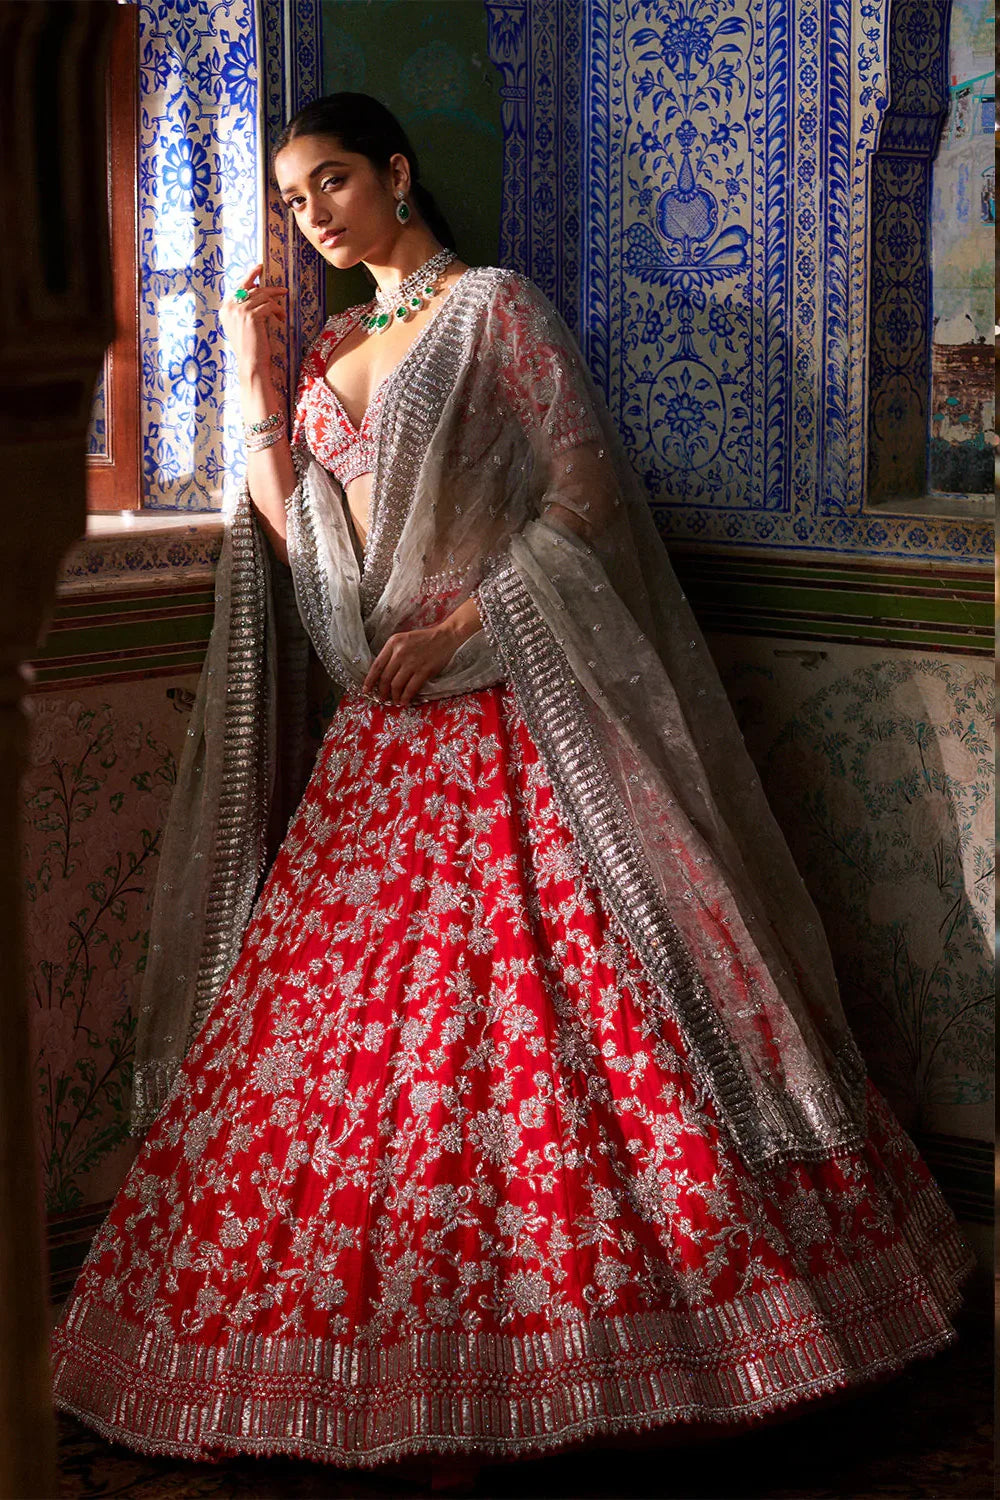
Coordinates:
<point>321,420</point>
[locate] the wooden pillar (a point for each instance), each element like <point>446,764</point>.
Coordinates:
<point>55,322</point>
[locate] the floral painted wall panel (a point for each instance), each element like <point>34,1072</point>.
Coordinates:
<point>199,230</point>
<point>102,766</point>
<point>291,64</point>
<point>717,156</point>
<point>963,410</point>
<point>879,765</point>
<point>97,431</point>
<point>216,83</point>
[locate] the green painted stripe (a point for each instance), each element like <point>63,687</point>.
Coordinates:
<point>133,620</point>
<point>107,604</point>
<point>779,566</point>
<point>974,582</point>
<point>167,632</point>
<point>844,634</point>
<point>840,602</point>
<point>861,588</point>
<point>136,667</point>
<point>110,618</point>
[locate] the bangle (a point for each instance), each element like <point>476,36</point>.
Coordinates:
<point>266,424</point>
<point>265,440</point>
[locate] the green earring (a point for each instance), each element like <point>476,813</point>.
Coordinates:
<point>402,209</point>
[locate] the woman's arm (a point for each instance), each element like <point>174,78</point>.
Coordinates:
<point>271,476</point>
<point>463,622</point>
<point>411,657</point>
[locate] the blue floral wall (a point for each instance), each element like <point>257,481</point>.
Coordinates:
<point>198,221</point>
<point>691,181</point>
<point>214,88</point>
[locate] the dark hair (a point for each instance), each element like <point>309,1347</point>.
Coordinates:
<point>364,125</point>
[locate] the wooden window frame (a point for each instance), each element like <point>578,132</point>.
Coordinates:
<point>114,480</point>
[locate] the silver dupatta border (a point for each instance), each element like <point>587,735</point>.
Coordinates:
<point>766,1126</point>
<point>240,842</point>
<point>311,591</point>
<point>230,737</point>
<point>408,416</point>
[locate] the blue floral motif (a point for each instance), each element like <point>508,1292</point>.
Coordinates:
<point>652,331</point>
<point>683,412</point>
<point>176,13</point>
<point>193,371</point>
<point>507,28</point>
<point>186,172</point>
<point>726,134</point>
<point>719,322</point>
<point>158,63</point>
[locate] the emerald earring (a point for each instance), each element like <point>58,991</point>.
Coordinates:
<point>402,208</point>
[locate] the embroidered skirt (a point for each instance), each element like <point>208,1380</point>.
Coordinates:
<point>430,1181</point>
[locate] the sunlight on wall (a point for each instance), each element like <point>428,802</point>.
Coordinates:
<point>963,411</point>
<point>199,231</point>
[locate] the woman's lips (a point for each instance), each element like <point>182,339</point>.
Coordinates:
<point>332,238</point>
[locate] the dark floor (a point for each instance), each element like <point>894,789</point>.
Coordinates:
<point>927,1435</point>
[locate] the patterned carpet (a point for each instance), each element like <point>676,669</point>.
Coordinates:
<point>925,1436</point>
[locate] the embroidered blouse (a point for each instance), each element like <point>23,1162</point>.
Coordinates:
<point>320,419</point>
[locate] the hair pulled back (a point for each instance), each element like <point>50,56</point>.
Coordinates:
<point>364,125</point>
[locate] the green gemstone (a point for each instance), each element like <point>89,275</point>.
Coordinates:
<point>428,291</point>
<point>416,300</point>
<point>382,320</point>
<point>402,311</point>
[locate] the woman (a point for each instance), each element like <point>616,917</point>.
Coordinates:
<point>516,1104</point>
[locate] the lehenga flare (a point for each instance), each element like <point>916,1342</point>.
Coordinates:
<point>429,1180</point>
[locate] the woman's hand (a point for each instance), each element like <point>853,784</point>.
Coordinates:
<point>409,659</point>
<point>245,323</point>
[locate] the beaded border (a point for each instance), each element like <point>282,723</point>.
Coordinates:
<point>447,1391</point>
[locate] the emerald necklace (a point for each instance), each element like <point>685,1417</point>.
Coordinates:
<point>411,295</point>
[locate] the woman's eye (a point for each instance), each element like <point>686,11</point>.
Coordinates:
<point>331,181</point>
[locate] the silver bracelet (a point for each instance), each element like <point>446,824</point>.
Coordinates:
<point>266,424</point>
<point>265,440</point>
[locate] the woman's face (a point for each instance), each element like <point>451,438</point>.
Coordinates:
<point>341,202</point>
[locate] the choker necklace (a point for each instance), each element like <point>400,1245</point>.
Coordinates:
<point>411,294</point>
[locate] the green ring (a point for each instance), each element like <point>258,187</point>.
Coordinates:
<point>241,294</point>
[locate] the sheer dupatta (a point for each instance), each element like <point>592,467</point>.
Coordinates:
<point>241,771</point>
<point>500,474</point>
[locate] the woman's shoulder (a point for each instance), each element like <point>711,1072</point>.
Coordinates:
<point>343,318</point>
<point>505,294</point>
<point>505,283</point>
<point>315,355</point>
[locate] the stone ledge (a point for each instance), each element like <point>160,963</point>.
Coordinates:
<point>124,550</point>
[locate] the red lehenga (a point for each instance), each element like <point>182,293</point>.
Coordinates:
<point>441,1170</point>
<point>430,1182</point>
